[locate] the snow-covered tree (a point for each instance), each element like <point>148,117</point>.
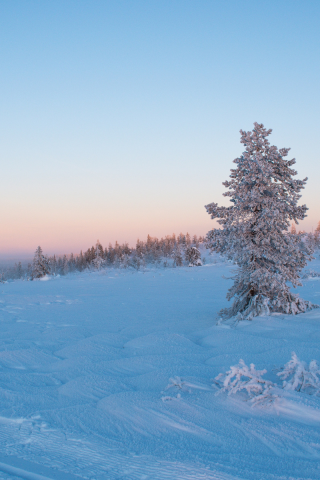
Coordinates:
<point>177,256</point>
<point>317,235</point>
<point>65,265</point>
<point>310,241</point>
<point>19,271</point>
<point>53,265</point>
<point>98,260</point>
<point>80,262</point>
<point>254,232</point>
<point>72,263</point>
<point>182,239</point>
<point>40,264</point>
<point>195,241</point>
<point>193,256</point>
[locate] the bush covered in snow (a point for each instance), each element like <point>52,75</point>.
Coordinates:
<point>311,274</point>
<point>243,378</point>
<point>297,375</point>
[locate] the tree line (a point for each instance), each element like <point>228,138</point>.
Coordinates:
<point>170,251</point>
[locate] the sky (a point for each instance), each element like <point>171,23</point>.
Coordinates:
<point>121,118</point>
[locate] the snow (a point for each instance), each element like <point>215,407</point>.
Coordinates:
<point>110,375</point>
<point>18,472</point>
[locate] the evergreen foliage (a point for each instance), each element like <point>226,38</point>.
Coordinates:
<point>177,256</point>
<point>98,260</point>
<point>170,251</point>
<point>317,236</point>
<point>40,264</point>
<point>193,256</point>
<point>254,232</point>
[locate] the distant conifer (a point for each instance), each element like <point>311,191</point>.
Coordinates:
<point>40,264</point>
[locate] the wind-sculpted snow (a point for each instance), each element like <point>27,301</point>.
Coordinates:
<point>109,375</point>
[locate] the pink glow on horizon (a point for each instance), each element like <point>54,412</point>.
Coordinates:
<point>67,237</point>
<point>64,237</point>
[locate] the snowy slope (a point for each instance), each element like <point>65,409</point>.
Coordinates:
<point>85,390</point>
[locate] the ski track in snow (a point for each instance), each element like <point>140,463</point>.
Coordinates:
<point>108,375</point>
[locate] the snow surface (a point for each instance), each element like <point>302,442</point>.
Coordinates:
<point>109,375</point>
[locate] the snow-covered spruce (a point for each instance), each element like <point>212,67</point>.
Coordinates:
<point>98,260</point>
<point>296,375</point>
<point>254,231</point>
<point>317,236</point>
<point>177,256</point>
<point>193,256</point>
<point>40,264</point>
<point>241,377</point>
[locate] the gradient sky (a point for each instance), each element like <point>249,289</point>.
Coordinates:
<point>121,118</point>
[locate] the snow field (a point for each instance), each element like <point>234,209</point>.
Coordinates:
<point>109,375</point>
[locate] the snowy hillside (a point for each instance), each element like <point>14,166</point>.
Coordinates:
<point>110,375</point>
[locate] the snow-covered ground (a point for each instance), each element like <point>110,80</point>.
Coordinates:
<point>109,375</point>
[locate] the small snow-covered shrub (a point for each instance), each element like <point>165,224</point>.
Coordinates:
<point>296,375</point>
<point>311,274</point>
<point>175,382</point>
<point>241,377</point>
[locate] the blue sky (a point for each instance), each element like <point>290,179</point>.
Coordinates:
<point>122,118</point>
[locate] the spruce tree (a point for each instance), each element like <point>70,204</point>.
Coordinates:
<point>193,256</point>
<point>317,236</point>
<point>98,260</point>
<point>177,256</point>
<point>65,265</point>
<point>54,265</point>
<point>40,264</point>
<point>254,230</point>
<point>19,270</point>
